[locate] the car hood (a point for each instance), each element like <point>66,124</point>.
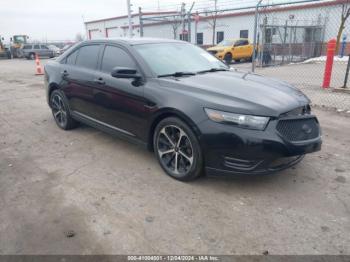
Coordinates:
<point>239,92</point>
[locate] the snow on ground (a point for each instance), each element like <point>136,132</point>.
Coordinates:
<point>323,59</point>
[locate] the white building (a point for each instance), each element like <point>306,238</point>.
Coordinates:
<point>312,20</point>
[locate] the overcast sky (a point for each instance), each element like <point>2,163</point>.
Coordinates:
<point>63,19</point>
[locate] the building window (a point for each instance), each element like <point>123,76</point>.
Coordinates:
<point>199,38</point>
<point>184,37</point>
<point>243,34</point>
<point>219,37</point>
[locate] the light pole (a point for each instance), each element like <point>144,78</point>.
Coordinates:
<point>129,17</point>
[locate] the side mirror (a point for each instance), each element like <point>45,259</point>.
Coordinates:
<point>125,72</point>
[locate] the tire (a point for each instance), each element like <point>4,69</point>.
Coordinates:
<point>237,60</point>
<point>177,149</point>
<point>31,56</point>
<point>228,58</point>
<point>60,111</point>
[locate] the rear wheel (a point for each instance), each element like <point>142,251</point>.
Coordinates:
<point>60,111</point>
<point>228,58</point>
<point>177,149</point>
<point>31,56</point>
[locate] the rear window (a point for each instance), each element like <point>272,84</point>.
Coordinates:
<point>88,56</point>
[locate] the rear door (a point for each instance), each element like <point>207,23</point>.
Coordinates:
<point>45,51</point>
<point>36,49</point>
<point>79,74</point>
<point>120,102</point>
<point>246,49</point>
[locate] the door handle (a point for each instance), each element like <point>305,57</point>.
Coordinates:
<point>65,73</point>
<point>99,81</point>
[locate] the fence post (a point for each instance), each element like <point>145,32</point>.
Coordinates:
<point>343,45</point>
<point>329,63</point>
<point>347,73</point>
<point>141,22</point>
<point>255,34</point>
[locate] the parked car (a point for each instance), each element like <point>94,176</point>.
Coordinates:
<point>236,50</point>
<point>65,48</point>
<point>184,104</point>
<point>29,51</point>
<point>55,49</point>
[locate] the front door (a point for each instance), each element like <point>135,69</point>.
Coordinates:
<point>119,102</point>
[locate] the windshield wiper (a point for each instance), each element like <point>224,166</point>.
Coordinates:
<point>212,70</point>
<point>178,74</point>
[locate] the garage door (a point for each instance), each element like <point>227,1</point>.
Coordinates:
<point>112,32</point>
<point>95,34</point>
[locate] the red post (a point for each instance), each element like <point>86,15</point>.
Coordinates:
<point>329,63</point>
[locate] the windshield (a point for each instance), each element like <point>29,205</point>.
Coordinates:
<point>169,58</point>
<point>226,43</point>
<point>19,39</point>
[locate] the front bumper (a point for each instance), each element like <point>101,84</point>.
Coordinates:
<point>232,150</point>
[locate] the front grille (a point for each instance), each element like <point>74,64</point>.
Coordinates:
<point>213,52</point>
<point>299,129</point>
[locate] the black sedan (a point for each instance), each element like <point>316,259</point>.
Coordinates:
<point>192,110</point>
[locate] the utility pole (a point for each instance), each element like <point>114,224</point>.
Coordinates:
<point>189,22</point>
<point>183,17</point>
<point>141,22</point>
<point>255,34</point>
<point>129,17</point>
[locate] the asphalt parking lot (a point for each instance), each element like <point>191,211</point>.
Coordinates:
<point>86,192</point>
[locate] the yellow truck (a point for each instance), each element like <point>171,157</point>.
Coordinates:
<point>17,43</point>
<point>236,50</point>
<point>4,51</point>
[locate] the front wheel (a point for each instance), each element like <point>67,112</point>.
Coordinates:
<point>228,58</point>
<point>177,149</point>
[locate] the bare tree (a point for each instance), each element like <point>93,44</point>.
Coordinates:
<point>213,19</point>
<point>175,22</point>
<point>78,37</point>
<point>344,16</point>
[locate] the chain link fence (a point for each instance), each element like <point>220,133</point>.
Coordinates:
<point>288,40</point>
<point>292,44</point>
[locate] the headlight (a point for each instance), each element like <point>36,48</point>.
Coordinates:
<point>245,121</point>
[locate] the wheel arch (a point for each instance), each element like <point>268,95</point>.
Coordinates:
<point>52,87</point>
<point>165,113</point>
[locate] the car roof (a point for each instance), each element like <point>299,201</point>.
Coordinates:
<point>135,41</point>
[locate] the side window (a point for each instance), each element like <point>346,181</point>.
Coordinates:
<point>199,38</point>
<point>114,56</point>
<point>88,56</point>
<point>36,47</point>
<point>71,59</point>
<point>219,36</point>
<point>243,33</point>
<point>44,47</point>
<point>245,42</point>
<point>238,43</point>
<point>27,47</point>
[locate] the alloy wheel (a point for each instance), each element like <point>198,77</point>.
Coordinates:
<point>59,111</point>
<point>175,150</point>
